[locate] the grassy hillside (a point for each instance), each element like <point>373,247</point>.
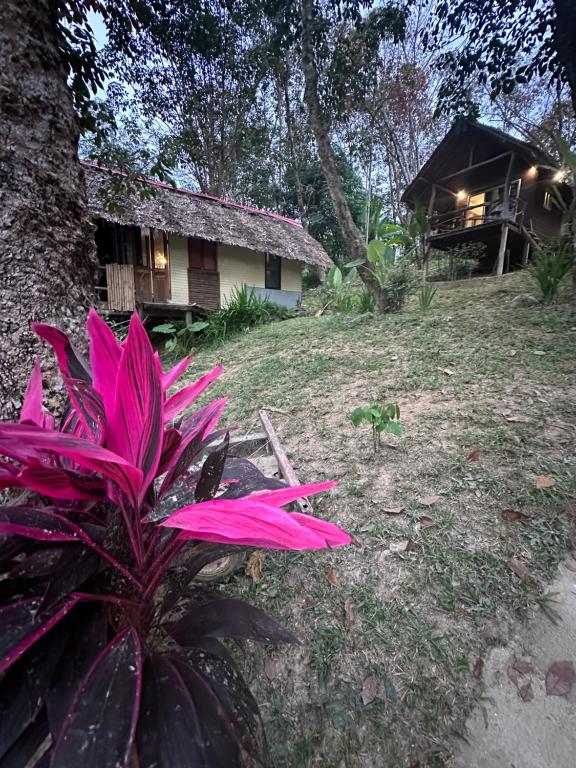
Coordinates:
<point>388,666</point>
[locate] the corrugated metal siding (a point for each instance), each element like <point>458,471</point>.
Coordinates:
<point>178,250</point>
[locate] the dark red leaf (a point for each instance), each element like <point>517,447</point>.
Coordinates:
<point>195,430</point>
<point>223,618</point>
<point>87,640</point>
<point>236,700</point>
<point>22,625</point>
<point>75,566</point>
<point>181,721</point>
<point>474,455</point>
<point>211,473</point>
<point>23,687</point>
<point>560,678</point>
<point>27,746</point>
<point>101,722</point>
<point>170,443</point>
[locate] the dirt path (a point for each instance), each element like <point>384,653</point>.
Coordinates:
<point>511,729</point>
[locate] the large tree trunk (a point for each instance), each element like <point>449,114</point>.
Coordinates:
<point>47,252</point>
<point>565,42</point>
<point>320,127</point>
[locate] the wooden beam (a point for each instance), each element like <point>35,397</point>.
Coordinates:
<point>476,165</point>
<point>502,249</point>
<point>506,202</point>
<point>525,252</point>
<point>286,469</point>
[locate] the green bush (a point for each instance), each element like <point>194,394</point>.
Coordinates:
<point>397,284</point>
<point>552,263</point>
<point>243,311</point>
<point>426,297</point>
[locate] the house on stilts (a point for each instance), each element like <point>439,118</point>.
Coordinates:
<point>481,185</point>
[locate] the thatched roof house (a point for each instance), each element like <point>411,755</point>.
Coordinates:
<point>181,248</point>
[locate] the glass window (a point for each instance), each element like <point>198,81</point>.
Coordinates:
<point>548,200</point>
<point>160,260</point>
<point>142,258</point>
<point>273,274</point>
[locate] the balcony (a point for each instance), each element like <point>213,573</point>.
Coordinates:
<point>477,215</point>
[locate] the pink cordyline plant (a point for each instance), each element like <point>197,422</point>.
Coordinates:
<point>107,657</point>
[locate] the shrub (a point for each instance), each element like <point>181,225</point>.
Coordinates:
<point>397,285</point>
<point>552,263</point>
<point>380,417</point>
<point>426,297</point>
<point>243,311</point>
<point>341,292</point>
<point>102,662</point>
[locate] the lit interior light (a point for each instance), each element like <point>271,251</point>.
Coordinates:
<point>533,171</point>
<point>560,175</point>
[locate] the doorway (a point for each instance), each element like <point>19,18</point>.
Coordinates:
<point>152,270</point>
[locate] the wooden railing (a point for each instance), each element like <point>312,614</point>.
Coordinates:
<point>475,215</point>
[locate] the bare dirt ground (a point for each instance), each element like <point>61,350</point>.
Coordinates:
<point>528,710</point>
<point>461,522</point>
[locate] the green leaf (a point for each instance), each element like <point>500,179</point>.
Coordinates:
<point>357,416</point>
<point>199,325</point>
<point>394,428</point>
<point>334,277</point>
<point>164,328</point>
<point>355,263</point>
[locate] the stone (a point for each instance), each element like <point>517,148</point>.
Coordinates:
<point>523,300</point>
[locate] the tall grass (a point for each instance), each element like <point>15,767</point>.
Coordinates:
<point>552,263</point>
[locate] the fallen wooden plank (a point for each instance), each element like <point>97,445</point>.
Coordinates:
<point>286,469</point>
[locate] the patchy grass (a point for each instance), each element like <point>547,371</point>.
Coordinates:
<point>470,374</point>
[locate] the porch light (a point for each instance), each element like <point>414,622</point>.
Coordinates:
<point>461,194</point>
<point>560,175</point>
<point>532,171</point>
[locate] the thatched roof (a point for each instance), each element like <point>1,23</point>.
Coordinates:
<point>193,214</point>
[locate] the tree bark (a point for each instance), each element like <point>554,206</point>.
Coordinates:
<point>320,128</point>
<point>47,251</point>
<point>565,42</point>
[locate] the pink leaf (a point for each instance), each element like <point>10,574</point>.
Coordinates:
<point>283,496</point>
<point>28,441</point>
<point>136,426</point>
<point>32,410</point>
<point>184,397</point>
<point>69,361</point>
<point>171,376</point>
<point>251,522</point>
<point>61,483</point>
<point>105,354</point>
